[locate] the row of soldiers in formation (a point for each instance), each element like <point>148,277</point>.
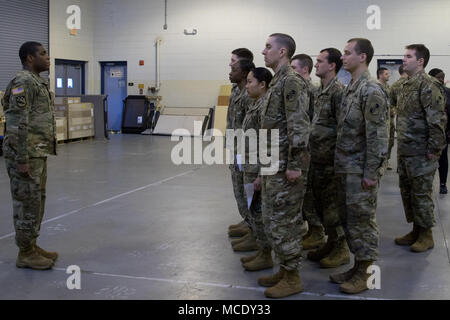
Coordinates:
<point>333,151</point>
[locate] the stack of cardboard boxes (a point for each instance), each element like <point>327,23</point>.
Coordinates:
<point>73,118</point>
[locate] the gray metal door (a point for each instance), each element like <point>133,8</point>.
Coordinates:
<point>69,78</point>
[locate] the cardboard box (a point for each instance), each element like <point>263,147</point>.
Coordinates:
<point>67,100</point>
<point>61,128</point>
<point>61,110</point>
<point>225,90</point>
<point>223,101</point>
<point>80,120</point>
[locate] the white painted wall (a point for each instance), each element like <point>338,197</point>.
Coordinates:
<point>194,67</point>
<point>79,47</point>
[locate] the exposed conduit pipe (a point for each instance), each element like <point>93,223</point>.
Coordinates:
<point>158,68</point>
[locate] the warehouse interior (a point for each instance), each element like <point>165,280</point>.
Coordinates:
<point>142,227</point>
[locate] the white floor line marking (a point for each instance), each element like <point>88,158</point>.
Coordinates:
<point>105,201</point>
<point>219,285</point>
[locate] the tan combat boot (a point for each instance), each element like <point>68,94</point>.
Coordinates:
<point>47,254</point>
<point>316,239</point>
<point>338,256</point>
<point>342,277</point>
<point>248,244</point>
<point>236,241</point>
<point>32,259</point>
<point>238,232</point>
<point>409,238</point>
<point>238,225</point>
<point>323,251</point>
<point>250,258</point>
<point>358,282</point>
<point>424,241</point>
<point>261,262</point>
<point>289,284</point>
<point>270,281</point>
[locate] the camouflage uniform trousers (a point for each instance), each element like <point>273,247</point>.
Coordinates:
<point>309,210</point>
<point>416,175</point>
<point>391,135</point>
<point>357,209</point>
<point>237,177</point>
<point>28,197</point>
<point>256,220</point>
<point>281,211</point>
<point>321,205</point>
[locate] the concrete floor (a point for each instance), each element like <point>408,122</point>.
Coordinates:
<point>140,227</point>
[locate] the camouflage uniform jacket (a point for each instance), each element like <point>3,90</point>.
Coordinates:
<point>252,121</point>
<point>421,117</point>
<point>285,108</point>
<point>30,121</point>
<point>394,93</point>
<point>324,124</point>
<point>363,129</point>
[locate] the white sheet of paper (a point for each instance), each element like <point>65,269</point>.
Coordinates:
<point>249,191</point>
<point>239,161</point>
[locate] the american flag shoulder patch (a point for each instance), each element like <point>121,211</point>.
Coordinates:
<point>18,90</point>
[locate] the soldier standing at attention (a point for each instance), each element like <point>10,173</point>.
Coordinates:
<point>361,152</point>
<point>30,136</point>
<point>240,229</point>
<point>321,195</point>
<point>239,104</point>
<point>383,76</point>
<point>393,94</point>
<point>421,122</point>
<point>257,84</point>
<point>285,111</point>
<point>315,236</point>
<point>443,160</point>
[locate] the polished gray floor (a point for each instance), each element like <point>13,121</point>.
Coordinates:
<point>140,227</point>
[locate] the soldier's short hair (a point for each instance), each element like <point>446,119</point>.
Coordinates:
<point>286,41</point>
<point>246,65</point>
<point>262,74</point>
<point>243,53</point>
<point>422,52</point>
<point>434,72</point>
<point>304,60</point>
<point>363,46</point>
<point>28,48</point>
<point>334,56</point>
<point>380,71</point>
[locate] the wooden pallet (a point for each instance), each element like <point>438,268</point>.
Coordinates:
<point>76,140</point>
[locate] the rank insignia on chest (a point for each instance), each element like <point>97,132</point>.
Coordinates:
<point>17,91</point>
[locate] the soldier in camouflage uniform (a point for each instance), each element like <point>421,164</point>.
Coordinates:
<point>285,111</point>
<point>393,94</point>
<point>383,77</point>
<point>315,237</point>
<point>239,103</point>
<point>421,121</point>
<point>30,136</point>
<point>257,84</point>
<point>321,194</point>
<point>361,152</point>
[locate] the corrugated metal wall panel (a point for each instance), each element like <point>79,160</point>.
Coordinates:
<point>20,21</point>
